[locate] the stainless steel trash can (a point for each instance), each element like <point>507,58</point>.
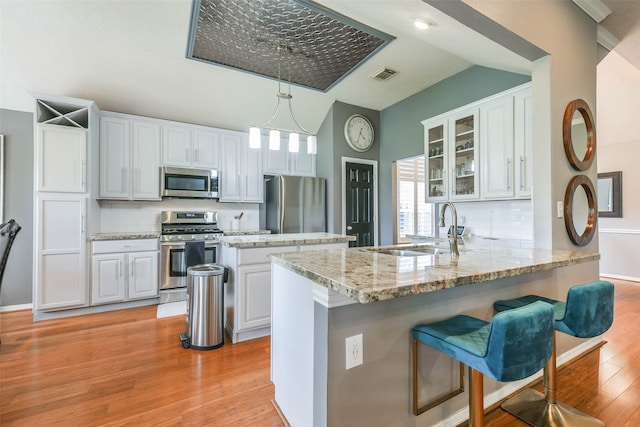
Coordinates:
<point>205,305</point>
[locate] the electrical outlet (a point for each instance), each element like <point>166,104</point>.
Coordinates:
<point>353,347</point>
<point>560,208</point>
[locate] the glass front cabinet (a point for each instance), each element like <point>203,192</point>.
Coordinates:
<point>451,147</point>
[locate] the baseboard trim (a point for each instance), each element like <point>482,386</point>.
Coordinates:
<point>16,307</point>
<point>280,414</point>
<point>620,277</point>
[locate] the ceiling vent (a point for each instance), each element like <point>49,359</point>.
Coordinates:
<point>384,74</point>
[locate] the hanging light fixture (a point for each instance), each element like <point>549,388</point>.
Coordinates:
<point>274,133</point>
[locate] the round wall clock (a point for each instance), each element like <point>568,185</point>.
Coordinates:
<point>358,131</point>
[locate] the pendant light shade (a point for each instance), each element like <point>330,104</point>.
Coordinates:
<point>294,142</point>
<point>274,139</point>
<point>312,143</point>
<point>254,137</point>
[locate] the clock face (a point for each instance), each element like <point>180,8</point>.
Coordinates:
<point>358,131</point>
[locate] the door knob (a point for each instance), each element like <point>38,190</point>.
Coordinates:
<point>349,228</point>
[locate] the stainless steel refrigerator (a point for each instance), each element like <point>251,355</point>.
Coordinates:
<point>295,204</point>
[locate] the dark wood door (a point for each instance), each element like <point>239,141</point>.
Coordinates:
<point>359,204</point>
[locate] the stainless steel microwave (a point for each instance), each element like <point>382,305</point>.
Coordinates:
<point>189,183</point>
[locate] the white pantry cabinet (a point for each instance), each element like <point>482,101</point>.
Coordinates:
<point>60,258</point>
<point>61,159</point>
<point>129,157</point>
<point>190,146</point>
<point>282,162</point>
<point>124,270</point>
<point>241,176</point>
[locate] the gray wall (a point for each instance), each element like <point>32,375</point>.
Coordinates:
<point>401,133</point>
<point>17,128</point>
<point>332,147</point>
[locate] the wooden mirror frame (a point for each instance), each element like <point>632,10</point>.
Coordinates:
<point>616,188</point>
<point>581,106</point>
<point>589,231</point>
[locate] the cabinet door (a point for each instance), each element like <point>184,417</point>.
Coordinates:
<point>253,185</point>
<point>107,278</point>
<point>114,158</point>
<point>145,161</point>
<point>206,149</point>
<point>143,275</point>
<point>523,143</point>
<point>496,126</point>
<point>463,152</point>
<point>60,274</point>
<point>62,159</point>
<point>231,168</point>
<point>437,155</point>
<point>176,146</point>
<point>276,162</point>
<point>254,288</point>
<point>303,163</point>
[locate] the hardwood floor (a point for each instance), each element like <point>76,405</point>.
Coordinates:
<point>128,368</point>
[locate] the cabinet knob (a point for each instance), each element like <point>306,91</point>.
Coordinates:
<point>349,228</point>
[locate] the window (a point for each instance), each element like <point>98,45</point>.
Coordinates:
<point>412,214</point>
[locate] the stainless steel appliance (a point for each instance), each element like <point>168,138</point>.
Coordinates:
<point>178,228</point>
<point>295,204</point>
<point>189,183</point>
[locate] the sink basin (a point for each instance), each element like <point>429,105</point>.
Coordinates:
<point>415,251</point>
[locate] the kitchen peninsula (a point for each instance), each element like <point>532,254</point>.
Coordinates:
<point>319,299</point>
<point>248,292</point>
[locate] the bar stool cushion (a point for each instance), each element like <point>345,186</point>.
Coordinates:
<point>514,345</point>
<point>587,313</point>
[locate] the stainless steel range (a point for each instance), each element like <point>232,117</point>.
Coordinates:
<point>178,228</point>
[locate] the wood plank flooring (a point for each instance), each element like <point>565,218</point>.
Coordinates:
<point>128,368</point>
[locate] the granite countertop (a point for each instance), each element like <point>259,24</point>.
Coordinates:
<point>125,236</point>
<point>368,275</point>
<point>245,232</point>
<point>263,240</point>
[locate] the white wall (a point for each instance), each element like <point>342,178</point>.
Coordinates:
<point>618,136</point>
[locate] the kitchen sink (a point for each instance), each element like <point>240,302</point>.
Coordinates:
<point>431,250</point>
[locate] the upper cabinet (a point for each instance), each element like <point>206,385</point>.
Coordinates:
<point>241,176</point>
<point>481,151</point>
<point>282,162</point>
<point>451,147</point>
<point>129,157</point>
<point>190,146</point>
<point>62,159</point>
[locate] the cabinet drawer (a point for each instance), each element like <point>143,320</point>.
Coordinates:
<point>127,245</point>
<point>260,255</point>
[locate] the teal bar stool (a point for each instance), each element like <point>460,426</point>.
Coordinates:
<point>513,346</point>
<point>587,313</point>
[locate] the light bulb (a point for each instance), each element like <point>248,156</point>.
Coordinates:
<point>274,140</point>
<point>421,23</point>
<point>312,143</point>
<point>294,142</point>
<point>254,137</point>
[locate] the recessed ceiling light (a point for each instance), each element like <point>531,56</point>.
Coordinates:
<point>421,23</point>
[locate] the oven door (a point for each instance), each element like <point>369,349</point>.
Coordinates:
<point>172,263</point>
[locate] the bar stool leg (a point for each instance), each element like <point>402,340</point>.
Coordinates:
<point>476,398</point>
<point>542,410</point>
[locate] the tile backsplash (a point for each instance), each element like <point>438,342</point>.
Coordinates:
<point>511,219</point>
<point>121,216</point>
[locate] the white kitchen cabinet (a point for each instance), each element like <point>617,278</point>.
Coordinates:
<point>507,145</point>
<point>282,162</point>
<point>60,253</point>
<point>190,146</point>
<point>241,176</point>
<point>129,158</point>
<point>496,124</point>
<point>61,159</point>
<point>124,270</point>
<point>256,281</point>
<point>451,147</point>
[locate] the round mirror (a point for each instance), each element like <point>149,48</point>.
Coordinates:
<point>580,208</point>
<point>578,135</point>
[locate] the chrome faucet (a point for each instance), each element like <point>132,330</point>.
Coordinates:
<point>453,238</point>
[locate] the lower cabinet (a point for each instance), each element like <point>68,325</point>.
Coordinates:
<point>124,270</point>
<point>248,292</point>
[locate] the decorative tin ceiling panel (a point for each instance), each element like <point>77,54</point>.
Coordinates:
<point>298,40</point>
